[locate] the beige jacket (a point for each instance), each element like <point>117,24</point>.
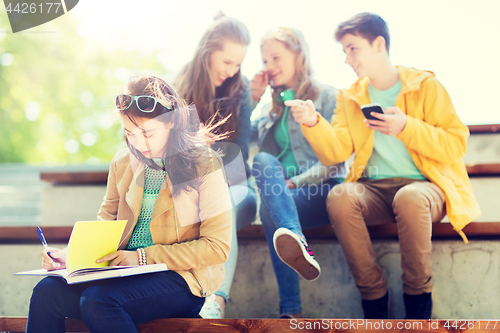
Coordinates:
<point>191,232</point>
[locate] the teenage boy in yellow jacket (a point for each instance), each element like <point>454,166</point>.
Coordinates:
<point>408,164</point>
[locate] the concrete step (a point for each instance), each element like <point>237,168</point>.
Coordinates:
<point>9,221</point>
<point>20,193</point>
<point>22,208</point>
<point>19,174</point>
<point>20,179</point>
<point>483,148</point>
<point>486,190</point>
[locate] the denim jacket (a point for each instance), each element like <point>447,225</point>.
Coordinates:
<point>311,171</point>
<point>244,125</point>
<point>236,153</point>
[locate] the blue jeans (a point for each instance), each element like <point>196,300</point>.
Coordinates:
<point>243,214</point>
<point>114,305</point>
<point>293,209</point>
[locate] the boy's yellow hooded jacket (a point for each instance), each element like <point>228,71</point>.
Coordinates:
<point>434,136</point>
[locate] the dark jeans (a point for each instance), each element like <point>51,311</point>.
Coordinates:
<point>114,305</point>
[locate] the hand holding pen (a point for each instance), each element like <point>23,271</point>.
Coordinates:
<point>52,258</point>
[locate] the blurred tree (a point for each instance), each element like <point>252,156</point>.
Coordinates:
<point>56,94</point>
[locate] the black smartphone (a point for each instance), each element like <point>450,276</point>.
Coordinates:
<point>369,108</point>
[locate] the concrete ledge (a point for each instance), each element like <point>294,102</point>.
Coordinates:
<point>465,280</point>
<point>466,283</point>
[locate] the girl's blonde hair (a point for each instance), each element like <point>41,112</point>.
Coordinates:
<point>294,41</point>
<point>195,85</point>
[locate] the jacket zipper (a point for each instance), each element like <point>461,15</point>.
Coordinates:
<point>203,292</point>
<point>135,220</point>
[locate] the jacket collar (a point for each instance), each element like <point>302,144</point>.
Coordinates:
<point>135,193</point>
<point>164,202</point>
<point>135,189</point>
<point>411,80</point>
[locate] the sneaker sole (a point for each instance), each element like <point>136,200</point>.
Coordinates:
<point>291,252</point>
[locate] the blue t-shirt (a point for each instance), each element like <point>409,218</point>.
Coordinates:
<point>389,158</point>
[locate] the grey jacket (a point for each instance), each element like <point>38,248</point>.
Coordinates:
<point>311,171</point>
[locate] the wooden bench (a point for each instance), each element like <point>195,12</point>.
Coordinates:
<point>18,324</point>
<point>101,177</point>
<point>442,231</point>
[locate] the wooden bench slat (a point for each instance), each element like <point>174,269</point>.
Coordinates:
<point>484,170</point>
<point>75,177</point>
<point>326,325</point>
<point>54,234</point>
<point>388,231</point>
<point>101,177</point>
<point>61,234</point>
<point>484,129</point>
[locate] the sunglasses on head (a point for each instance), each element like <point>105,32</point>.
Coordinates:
<point>144,103</point>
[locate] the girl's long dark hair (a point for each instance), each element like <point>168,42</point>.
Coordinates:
<point>185,148</point>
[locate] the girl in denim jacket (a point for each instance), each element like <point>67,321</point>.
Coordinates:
<point>292,184</point>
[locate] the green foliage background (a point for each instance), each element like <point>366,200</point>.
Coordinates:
<point>71,80</point>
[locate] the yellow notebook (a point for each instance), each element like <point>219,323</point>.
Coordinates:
<point>89,241</point>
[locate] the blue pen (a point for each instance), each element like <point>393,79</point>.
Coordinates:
<point>42,238</point>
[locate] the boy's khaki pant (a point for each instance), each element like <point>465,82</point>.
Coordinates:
<point>413,204</point>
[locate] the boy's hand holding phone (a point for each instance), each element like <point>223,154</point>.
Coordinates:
<point>390,122</point>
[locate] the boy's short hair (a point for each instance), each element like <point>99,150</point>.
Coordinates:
<point>366,25</point>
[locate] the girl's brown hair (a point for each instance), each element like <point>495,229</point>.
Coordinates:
<point>183,153</point>
<point>294,41</point>
<point>195,84</point>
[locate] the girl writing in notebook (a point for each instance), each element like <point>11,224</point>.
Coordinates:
<point>172,191</point>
